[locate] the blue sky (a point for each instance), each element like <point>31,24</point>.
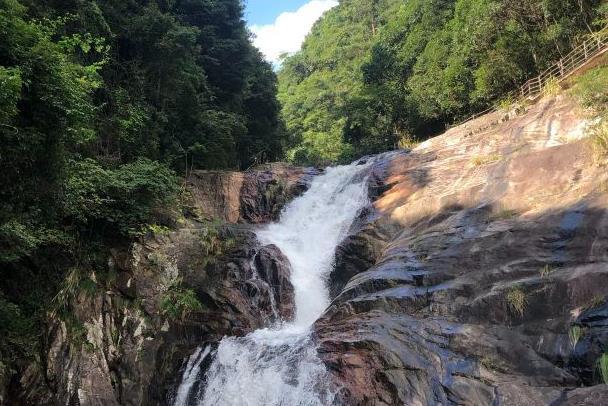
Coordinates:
<point>261,12</point>
<point>280,26</point>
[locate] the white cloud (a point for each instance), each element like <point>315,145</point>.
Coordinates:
<point>288,31</point>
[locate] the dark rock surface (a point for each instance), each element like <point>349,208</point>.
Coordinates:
<point>480,254</point>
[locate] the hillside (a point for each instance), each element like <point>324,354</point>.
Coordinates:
<point>482,277</point>
<point>375,74</point>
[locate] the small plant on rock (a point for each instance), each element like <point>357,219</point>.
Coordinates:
<point>546,271</point>
<point>213,243</point>
<point>602,366</point>
<point>157,230</point>
<point>596,301</point>
<point>517,300</point>
<point>407,142</point>
<point>485,160</point>
<point>178,302</point>
<point>575,333</point>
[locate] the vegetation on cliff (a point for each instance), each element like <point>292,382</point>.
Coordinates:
<point>592,91</point>
<point>102,103</point>
<point>374,73</point>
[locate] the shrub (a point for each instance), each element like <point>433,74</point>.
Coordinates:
<point>591,89</point>
<point>121,199</point>
<point>551,88</point>
<point>177,303</point>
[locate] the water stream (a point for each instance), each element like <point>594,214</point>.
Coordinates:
<point>279,365</point>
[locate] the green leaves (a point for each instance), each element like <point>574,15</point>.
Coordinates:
<point>122,199</point>
<point>426,64</point>
<point>10,92</point>
<point>177,303</point>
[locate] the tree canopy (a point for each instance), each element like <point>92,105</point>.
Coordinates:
<point>374,72</point>
<point>103,103</point>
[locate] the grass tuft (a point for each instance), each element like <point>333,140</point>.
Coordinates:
<point>503,214</point>
<point>485,160</point>
<point>575,334</point>
<point>595,301</point>
<point>517,300</point>
<point>602,366</point>
<point>546,271</point>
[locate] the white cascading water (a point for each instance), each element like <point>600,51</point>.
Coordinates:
<point>280,366</point>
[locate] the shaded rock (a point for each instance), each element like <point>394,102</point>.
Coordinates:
<point>593,324</point>
<point>460,284</point>
<point>592,396</point>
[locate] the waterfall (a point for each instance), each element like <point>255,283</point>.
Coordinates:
<point>280,366</point>
<point>193,368</point>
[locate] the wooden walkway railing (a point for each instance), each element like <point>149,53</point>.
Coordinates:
<point>593,45</point>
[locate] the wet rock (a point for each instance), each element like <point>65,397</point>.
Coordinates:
<point>274,269</point>
<point>119,347</point>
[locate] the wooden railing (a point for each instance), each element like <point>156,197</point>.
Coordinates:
<point>591,47</point>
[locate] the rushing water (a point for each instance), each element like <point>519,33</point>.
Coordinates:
<point>279,365</point>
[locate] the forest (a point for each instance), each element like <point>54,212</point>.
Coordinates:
<point>104,106</point>
<point>378,74</point>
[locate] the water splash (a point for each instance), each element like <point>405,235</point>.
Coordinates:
<point>280,366</point>
<point>193,368</point>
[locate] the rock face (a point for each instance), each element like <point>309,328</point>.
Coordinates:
<point>467,280</point>
<point>478,276</point>
<point>123,344</point>
<point>253,197</point>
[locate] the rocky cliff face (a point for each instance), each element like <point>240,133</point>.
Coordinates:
<point>480,276</point>
<point>125,345</point>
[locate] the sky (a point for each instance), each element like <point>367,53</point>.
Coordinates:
<point>280,26</point>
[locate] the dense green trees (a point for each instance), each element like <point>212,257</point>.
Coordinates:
<point>374,72</point>
<point>102,104</point>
